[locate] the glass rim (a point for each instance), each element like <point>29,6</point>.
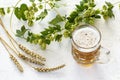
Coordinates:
<point>87,25</point>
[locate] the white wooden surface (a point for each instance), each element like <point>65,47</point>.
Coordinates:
<point>58,53</point>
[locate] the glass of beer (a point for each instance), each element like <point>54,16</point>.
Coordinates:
<point>86,47</point>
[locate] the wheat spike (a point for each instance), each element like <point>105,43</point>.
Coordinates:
<point>20,68</point>
<point>49,69</point>
<point>31,60</point>
<point>31,53</point>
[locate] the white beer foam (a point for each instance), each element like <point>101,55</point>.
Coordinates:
<point>86,37</point>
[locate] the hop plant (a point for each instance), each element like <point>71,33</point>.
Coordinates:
<point>85,12</point>
<point>2,12</point>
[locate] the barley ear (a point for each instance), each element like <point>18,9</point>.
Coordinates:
<point>31,60</point>
<point>49,69</point>
<point>20,68</point>
<point>31,53</point>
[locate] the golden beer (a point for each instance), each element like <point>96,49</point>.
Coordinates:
<point>86,44</point>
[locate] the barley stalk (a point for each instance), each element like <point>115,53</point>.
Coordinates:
<point>48,69</point>
<point>23,56</point>
<point>20,68</point>
<point>31,60</point>
<point>31,53</point>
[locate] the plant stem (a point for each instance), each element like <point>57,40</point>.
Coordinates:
<point>6,48</point>
<point>19,66</point>
<point>12,15</point>
<point>8,45</point>
<point>7,31</point>
<point>9,36</point>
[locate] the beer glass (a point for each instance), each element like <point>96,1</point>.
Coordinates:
<point>86,46</point>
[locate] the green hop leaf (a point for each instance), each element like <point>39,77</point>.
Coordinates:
<point>40,0</point>
<point>58,37</point>
<point>42,15</point>
<point>57,0</point>
<point>20,33</point>
<point>23,8</point>
<point>19,12</point>
<point>56,20</point>
<point>2,12</point>
<point>32,0</point>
